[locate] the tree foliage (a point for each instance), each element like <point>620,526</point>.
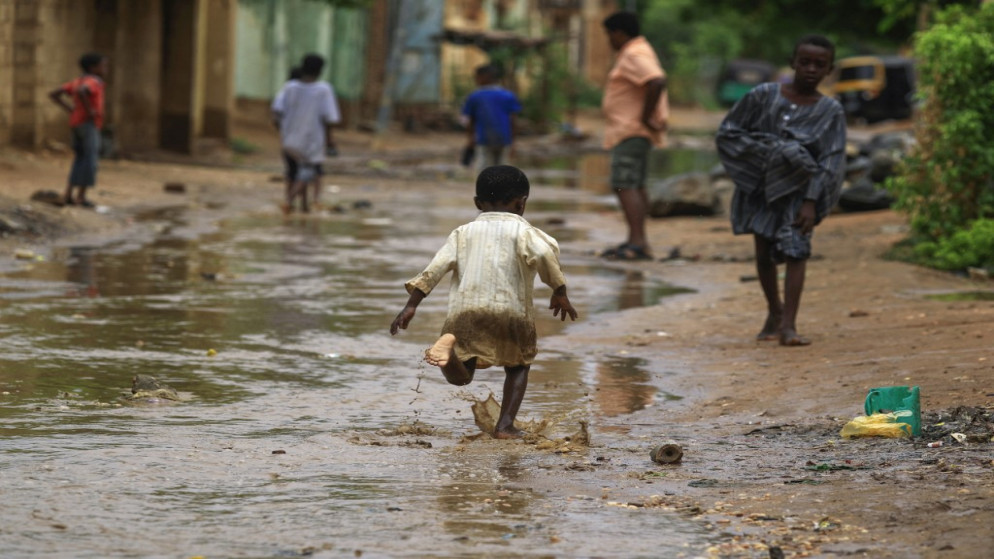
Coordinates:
<point>947,184</point>
<point>692,35</point>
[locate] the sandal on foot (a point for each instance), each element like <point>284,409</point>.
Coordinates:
<point>627,252</point>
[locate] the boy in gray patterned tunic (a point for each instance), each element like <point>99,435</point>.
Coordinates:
<point>784,147</point>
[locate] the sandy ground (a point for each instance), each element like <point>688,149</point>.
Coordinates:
<point>764,465</point>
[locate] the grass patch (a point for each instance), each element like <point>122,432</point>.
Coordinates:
<point>242,146</point>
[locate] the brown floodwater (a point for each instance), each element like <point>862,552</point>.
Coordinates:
<point>274,332</point>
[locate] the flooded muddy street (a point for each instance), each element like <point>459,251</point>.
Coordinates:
<point>303,427</point>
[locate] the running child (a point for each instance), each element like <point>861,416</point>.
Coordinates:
<point>86,119</point>
<point>784,147</point>
<point>490,321</point>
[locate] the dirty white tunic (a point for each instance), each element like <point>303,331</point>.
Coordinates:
<point>493,260</point>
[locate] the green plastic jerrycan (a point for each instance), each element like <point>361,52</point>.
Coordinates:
<point>895,399</point>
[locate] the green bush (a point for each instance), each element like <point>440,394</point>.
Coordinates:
<point>971,247</point>
<point>946,185</point>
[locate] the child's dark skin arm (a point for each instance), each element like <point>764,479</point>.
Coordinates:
<point>654,89</point>
<point>330,137</point>
<point>805,220</point>
<point>471,133</point>
<point>58,97</point>
<point>560,304</point>
<point>405,316</point>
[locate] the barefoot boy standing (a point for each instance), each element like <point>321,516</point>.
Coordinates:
<point>86,118</point>
<point>784,146</point>
<point>493,261</point>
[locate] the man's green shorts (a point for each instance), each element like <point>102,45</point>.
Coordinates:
<point>630,163</point>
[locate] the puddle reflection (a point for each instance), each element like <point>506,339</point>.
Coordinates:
<point>297,311</point>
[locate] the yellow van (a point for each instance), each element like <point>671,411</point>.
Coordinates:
<point>876,88</point>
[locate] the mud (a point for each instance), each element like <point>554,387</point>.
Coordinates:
<point>314,433</point>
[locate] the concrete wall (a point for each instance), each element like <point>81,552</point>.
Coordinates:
<point>135,96</point>
<point>50,36</point>
<point>273,35</point>
<point>6,70</point>
<point>217,68</point>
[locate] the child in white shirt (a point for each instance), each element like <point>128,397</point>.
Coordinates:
<point>491,321</point>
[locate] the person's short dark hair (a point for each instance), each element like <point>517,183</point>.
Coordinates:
<point>816,40</point>
<point>296,73</point>
<point>89,60</point>
<point>501,183</point>
<point>626,22</point>
<point>491,71</point>
<point>311,65</point>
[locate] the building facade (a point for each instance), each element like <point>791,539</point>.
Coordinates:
<point>171,75</point>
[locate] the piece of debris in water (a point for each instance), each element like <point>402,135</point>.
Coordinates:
<point>667,453</point>
<point>145,386</point>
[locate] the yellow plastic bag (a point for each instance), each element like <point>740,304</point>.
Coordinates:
<point>877,425</point>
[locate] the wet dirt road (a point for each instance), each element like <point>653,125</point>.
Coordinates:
<point>310,431</point>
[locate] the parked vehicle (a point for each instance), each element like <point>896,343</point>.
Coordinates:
<point>739,76</point>
<point>876,88</point>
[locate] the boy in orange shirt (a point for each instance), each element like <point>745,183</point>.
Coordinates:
<point>86,119</point>
<point>635,108</point>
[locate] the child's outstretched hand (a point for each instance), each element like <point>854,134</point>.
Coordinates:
<point>405,316</point>
<point>560,304</point>
<point>402,320</point>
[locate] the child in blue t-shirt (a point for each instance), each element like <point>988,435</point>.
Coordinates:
<point>490,110</point>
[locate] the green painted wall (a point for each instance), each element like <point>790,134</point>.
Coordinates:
<point>273,35</point>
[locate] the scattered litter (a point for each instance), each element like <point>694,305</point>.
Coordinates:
<point>878,425</point>
<point>830,467</point>
<point>175,187</point>
<point>24,254</point>
<point>960,437</point>
<point>211,352</point>
<point>747,278</point>
<point>935,444</point>
<point>826,525</point>
<point>667,453</point>
<point>903,400</point>
<point>858,313</point>
<point>279,452</point>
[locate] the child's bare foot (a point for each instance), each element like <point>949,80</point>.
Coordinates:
<point>508,433</point>
<point>771,329</point>
<point>440,353</point>
<point>790,337</point>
